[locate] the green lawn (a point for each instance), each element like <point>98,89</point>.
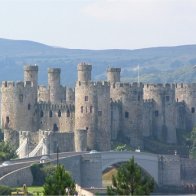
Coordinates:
<point>35,190</point>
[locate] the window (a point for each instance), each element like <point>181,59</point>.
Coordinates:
<point>167,98</point>
<point>29,106</point>
<point>68,113</point>
<point>41,114</point>
<point>91,109</point>
<point>138,98</point>
<point>82,109</point>
<point>156,113</point>
<point>126,114</point>
<point>193,110</point>
<point>50,114</point>
<point>59,113</point>
<point>21,98</point>
<point>99,113</point>
<point>86,98</point>
<point>7,119</point>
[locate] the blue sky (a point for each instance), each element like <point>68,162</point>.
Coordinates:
<point>100,24</point>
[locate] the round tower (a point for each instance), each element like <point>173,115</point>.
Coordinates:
<point>31,74</point>
<point>86,108</point>
<point>84,72</point>
<point>70,95</point>
<point>113,75</point>
<point>80,136</point>
<point>54,84</point>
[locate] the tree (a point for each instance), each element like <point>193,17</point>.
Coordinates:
<point>59,183</point>
<point>7,151</point>
<point>193,143</point>
<point>130,180</point>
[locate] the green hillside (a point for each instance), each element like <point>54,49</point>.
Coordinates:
<point>161,64</point>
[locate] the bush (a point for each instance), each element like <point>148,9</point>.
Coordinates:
<point>5,190</point>
<point>40,172</point>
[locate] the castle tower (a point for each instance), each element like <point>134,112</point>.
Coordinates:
<point>54,85</point>
<point>113,75</point>
<point>86,108</point>
<point>84,72</point>
<point>31,74</point>
<point>80,137</point>
<point>164,114</point>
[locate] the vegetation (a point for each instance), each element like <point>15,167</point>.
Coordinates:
<point>7,151</point>
<point>5,190</point>
<point>59,183</point>
<point>40,172</point>
<point>193,143</point>
<point>130,181</point>
<point>122,147</point>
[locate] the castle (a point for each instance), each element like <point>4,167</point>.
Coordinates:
<point>93,114</point>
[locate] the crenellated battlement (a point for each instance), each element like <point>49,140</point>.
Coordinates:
<point>185,86</point>
<point>92,84</point>
<point>84,66</point>
<point>14,85</point>
<point>56,107</point>
<point>119,85</point>
<point>159,86</point>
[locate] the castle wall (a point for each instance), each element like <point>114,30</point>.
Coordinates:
<point>104,116</point>
<point>65,141</point>
<point>164,117</point>
<point>116,115</point>
<point>56,117</point>
<point>187,93</point>
<point>70,96</point>
<point>132,103</point>
<point>43,94</point>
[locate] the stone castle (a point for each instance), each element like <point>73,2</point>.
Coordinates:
<point>93,114</point>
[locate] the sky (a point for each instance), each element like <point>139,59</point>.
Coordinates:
<point>100,24</point>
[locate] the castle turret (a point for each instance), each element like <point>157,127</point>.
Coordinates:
<point>31,74</point>
<point>54,85</point>
<point>84,72</point>
<point>86,108</point>
<point>113,75</point>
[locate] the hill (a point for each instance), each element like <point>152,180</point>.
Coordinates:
<point>159,64</point>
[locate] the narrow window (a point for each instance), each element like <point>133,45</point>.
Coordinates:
<point>167,98</point>
<point>156,113</point>
<point>86,98</point>
<point>21,98</point>
<point>55,127</point>
<point>99,113</point>
<point>82,109</point>
<point>193,110</point>
<point>7,119</point>
<point>126,114</point>
<point>59,113</point>
<point>91,109</point>
<point>29,106</point>
<point>41,114</point>
<point>68,113</point>
<point>50,114</point>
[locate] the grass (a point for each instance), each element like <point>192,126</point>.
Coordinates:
<point>107,177</point>
<point>35,190</point>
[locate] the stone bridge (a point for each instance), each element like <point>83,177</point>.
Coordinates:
<point>87,168</point>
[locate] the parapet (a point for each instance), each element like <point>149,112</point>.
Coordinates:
<point>114,70</point>
<point>127,85</point>
<point>84,67</point>
<point>55,107</point>
<point>18,84</point>
<point>159,86</point>
<point>54,70</point>
<point>30,68</point>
